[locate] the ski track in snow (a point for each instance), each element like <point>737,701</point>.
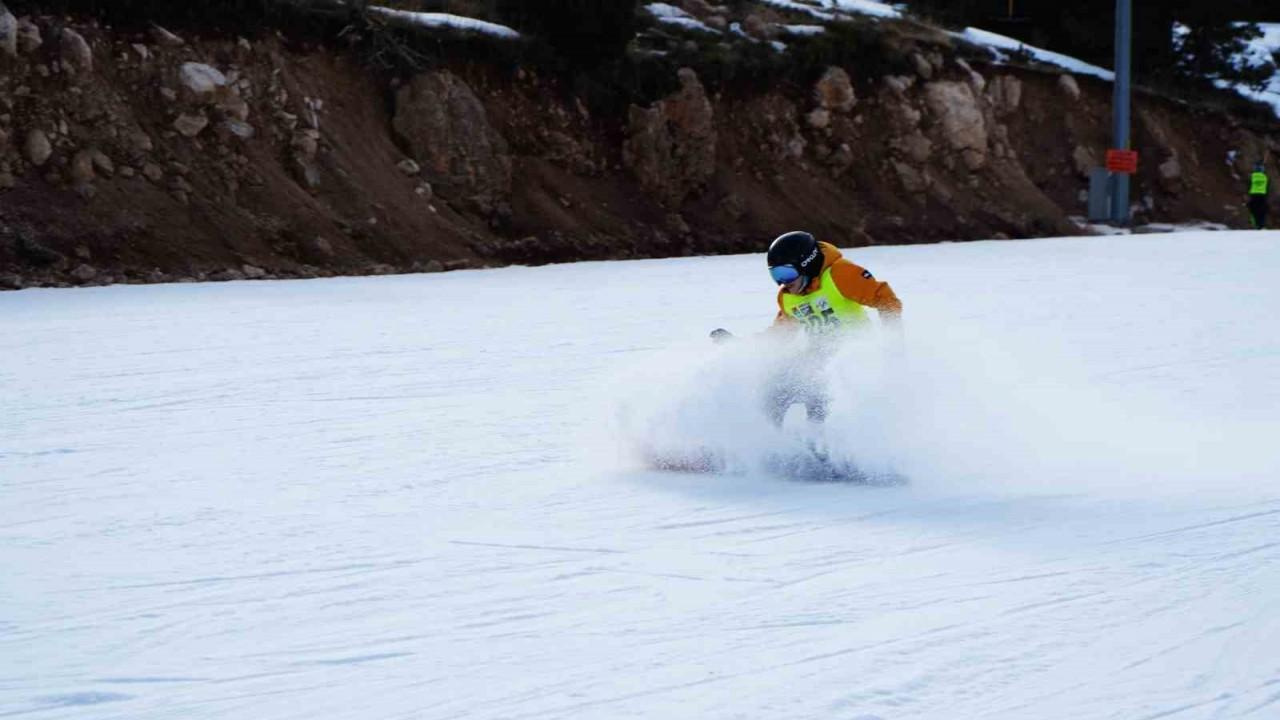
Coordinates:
<point>402,497</point>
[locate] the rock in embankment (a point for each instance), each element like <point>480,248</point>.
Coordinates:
<point>671,145</point>
<point>448,133</point>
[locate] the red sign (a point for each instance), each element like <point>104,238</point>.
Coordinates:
<point>1122,161</point>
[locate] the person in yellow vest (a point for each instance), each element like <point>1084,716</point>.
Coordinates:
<point>1258,188</point>
<point>825,295</point>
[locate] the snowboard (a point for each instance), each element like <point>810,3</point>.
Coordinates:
<point>798,466</point>
<point>808,466</point>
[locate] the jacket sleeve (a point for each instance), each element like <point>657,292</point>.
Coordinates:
<point>859,285</point>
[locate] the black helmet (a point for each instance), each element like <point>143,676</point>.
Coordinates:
<point>796,249</point>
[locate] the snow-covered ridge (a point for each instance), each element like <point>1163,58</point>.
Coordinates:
<point>865,7</point>
<point>446,20</point>
<point>673,15</point>
<point>825,11</point>
<point>803,30</point>
<point>834,10</point>
<point>831,10</point>
<point>1259,50</point>
<point>999,44</point>
<point>800,7</point>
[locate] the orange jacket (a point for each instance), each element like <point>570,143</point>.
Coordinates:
<point>854,282</point>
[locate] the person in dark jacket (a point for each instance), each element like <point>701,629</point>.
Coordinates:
<point>1259,185</point>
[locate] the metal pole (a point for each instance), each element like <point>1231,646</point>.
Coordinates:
<point>1120,103</point>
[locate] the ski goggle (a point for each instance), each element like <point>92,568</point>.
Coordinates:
<point>783,274</point>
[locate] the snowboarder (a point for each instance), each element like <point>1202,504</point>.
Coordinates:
<point>1258,186</point>
<point>825,295</point>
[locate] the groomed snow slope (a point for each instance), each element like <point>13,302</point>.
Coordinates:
<point>409,497</point>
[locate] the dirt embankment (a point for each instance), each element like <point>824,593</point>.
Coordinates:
<point>152,157</point>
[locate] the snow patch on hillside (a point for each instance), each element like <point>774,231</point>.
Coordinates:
<point>1260,51</point>
<point>865,7</point>
<point>673,15</point>
<point>831,10</point>
<point>447,20</point>
<point>1001,45</point>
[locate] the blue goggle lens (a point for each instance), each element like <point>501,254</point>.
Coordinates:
<point>783,274</point>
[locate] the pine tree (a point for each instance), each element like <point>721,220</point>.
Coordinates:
<point>585,32</point>
<point>1217,33</point>
<point>1215,50</point>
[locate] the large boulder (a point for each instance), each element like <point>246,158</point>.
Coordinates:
<point>834,91</point>
<point>902,115</point>
<point>915,146</point>
<point>922,66</point>
<point>29,39</point>
<point>84,273</point>
<point>1068,85</point>
<point>81,169</point>
<point>200,80</point>
<point>38,148</point>
<point>1084,160</point>
<point>912,180</point>
<point>1005,94</point>
<point>191,124</point>
<point>447,131</point>
<point>8,32</point>
<point>757,25</point>
<point>1170,172</point>
<point>77,56</point>
<point>165,38</point>
<point>671,146</point>
<point>898,85</point>
<point>960,121</point>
